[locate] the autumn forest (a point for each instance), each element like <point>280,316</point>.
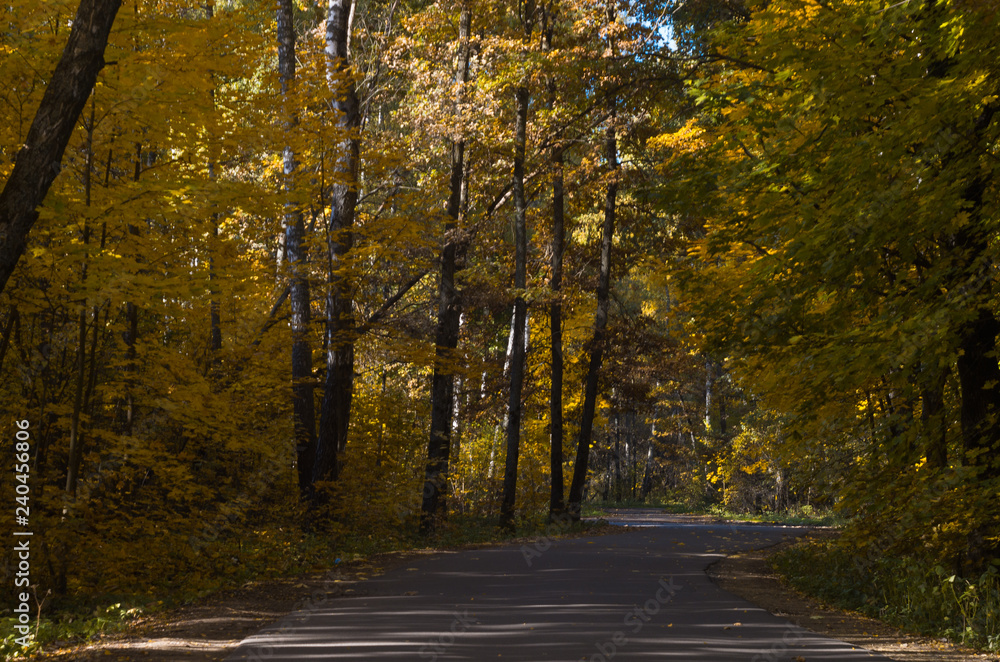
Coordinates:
<point>319,276</point>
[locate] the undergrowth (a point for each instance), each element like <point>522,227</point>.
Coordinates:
<point>803,515</point>
<point>914,595</point>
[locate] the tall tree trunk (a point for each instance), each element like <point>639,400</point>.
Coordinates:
<point>127,407</point>
<point>37,163</point>
<point>556,502</point>
<point>520,314</point>
<point>618,457</point>
<point>600,324</point>
<point>303,406</point>
<point>709,383</point>
<point>214,307</point>
<point>335,414</point>
<point>131,367</point>
<point>75,432</point>
<point>647,472</point>
<point>449,315</point>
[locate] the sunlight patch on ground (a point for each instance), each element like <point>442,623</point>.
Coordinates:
<point>175,644</point>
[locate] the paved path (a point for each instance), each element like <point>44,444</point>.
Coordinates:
<point>638,595</point>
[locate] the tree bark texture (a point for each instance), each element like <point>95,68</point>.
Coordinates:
<point>520,314</point>
<point>303,406</point>
<point>556,499</point>
<point>335,412</point>
<point>600,327</point>
<point>449,315</point>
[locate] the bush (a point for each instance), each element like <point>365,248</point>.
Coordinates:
<point>907,592</point>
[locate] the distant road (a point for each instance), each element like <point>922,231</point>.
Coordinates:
<point>634,596</point>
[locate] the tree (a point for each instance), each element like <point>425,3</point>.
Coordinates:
<point>600,326</point>
<point>519,319</point>
<point>304,411</point>
<point>603,301</point>
<point>556,501</point>
<point>340,327</point>
<point>848,199</point>
<point>449,307</point>
<point>38,160</point>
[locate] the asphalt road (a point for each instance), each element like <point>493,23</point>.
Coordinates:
<point>639,595</point>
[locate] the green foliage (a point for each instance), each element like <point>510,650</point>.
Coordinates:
<point>79,625</point>
<point>912,593</point>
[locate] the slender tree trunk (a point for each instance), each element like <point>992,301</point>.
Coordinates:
<point>37,163</point>
<point>303,406</point>
<point>709,383</point>
<point>75,432</point>
<point>215,308</point>
<point>556,503</point>
<point>131,366</point>
<point>338,393</point>
<point>600,324</point>
<point>131,335</point>
<point>449,316</point>
<point>723,415</point>
<point>95,338</point>
<point>520,314</point>
<point>618,457</point>
<point>647,472</point>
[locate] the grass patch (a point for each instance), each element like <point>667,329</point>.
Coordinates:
<point>795,516</point>
<point>913,595</point>
<point>70,624</point>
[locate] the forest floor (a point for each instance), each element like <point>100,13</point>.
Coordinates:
<point>211,629</point>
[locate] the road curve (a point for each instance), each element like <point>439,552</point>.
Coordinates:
<point>637,595</point>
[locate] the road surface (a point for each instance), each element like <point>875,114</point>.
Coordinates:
<point>638,595</point>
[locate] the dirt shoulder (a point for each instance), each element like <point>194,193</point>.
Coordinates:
<point>749,575</point>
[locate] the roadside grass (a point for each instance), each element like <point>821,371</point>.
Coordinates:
<point>270,554</point>
<point>796,516</point>
<point>74,623</point>
<point>915,595</point>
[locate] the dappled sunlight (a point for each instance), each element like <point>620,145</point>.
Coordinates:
<point>175,644</point>
<point>632,596</point>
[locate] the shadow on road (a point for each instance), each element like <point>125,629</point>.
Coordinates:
<point>638,595</point>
